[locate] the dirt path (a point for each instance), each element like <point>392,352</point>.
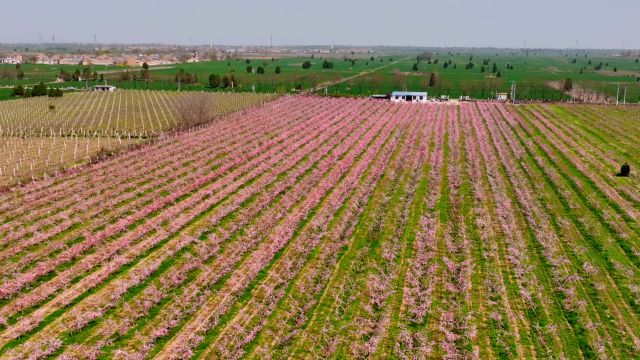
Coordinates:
<point>327,84</point>
<point>117,71</point>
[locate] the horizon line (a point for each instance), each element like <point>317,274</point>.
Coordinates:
<point>416,47</point>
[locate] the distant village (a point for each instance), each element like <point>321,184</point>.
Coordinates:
<point>131,56</point>
<point>105,60</point>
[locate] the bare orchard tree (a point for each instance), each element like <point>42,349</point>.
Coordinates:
<point>195,109</point>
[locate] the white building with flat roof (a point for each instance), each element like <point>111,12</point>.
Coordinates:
<point>409,96</point>
<point>108,88</point>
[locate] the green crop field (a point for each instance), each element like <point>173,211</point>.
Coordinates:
<point>532,75</point>
<point>5,93</point>
<point>537,76</point>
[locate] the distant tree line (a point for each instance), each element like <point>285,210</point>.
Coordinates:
<point>185,77</point>
<point>425,56</point>
<point>77,75</point>
<point>217,81</point>
<point>37,90</point>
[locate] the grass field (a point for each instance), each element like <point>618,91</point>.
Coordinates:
<point>37,141</point>
<point>533,73</point>
<point>316,227</point>
<point>5,93</point>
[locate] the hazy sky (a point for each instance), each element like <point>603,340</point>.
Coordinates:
<point>500,23</point>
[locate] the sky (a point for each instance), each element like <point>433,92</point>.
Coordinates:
<point>454,23</point>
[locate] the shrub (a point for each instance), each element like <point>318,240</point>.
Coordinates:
<point>214,80</point>
<point>260,70</point>
<point>568,85</point>
<point>306,64</point>
<point>433,78</point>
<point>18,90</point>
<point>625,170</point>
<point>39,90</point>
<point>54,93</point>
<point>278,70</point>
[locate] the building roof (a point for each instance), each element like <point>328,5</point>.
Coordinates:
<point>409,93</point>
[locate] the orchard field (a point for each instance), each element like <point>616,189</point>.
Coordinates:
<point>41,136</point>
<point>317,227</point>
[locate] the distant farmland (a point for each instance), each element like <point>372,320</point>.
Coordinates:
<point>314,227</point>
<point>534,73</point>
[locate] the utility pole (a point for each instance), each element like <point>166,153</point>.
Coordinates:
<point>618,94</point>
